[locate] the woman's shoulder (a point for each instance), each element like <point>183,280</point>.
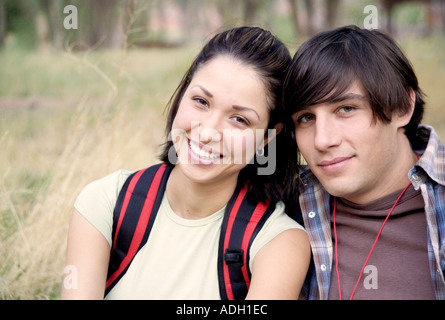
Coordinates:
<point>96,201</point>
<point>109,185</point>
<point>114,178</point>
<point>277,223</point>
<point>280,217</point>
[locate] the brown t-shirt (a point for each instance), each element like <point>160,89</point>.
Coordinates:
<point>398,267</point>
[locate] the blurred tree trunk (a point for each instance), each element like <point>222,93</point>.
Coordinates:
<point>303,26</point>
<point>309,6</point>
<point>250,10</point>
<point>42,30</point>
<point>33,10</point>
<point>331,14</point>
<point>53,10</point>
<point>228,9</point>
<point>101,15</point>
<point>119,30</point>
<point>48,22</point>
<point>110,21</point>
<point>442,15</point>
<point>294,13</point>
<point>2,23</point>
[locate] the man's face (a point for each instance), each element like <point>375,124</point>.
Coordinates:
<point>353,155</point>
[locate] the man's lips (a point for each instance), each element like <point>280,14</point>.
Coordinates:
<point>334,164</point>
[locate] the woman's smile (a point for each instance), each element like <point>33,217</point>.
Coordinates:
<point>202,154</point>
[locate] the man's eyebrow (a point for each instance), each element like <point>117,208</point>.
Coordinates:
<point>348,96</point>
<point>341,98</point>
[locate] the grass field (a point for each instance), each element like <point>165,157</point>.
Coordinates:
<point>67,119</point>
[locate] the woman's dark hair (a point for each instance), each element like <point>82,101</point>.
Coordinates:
<point>269,57</point>
<point>327,64</point>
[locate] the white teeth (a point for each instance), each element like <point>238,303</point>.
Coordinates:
<point>202,153</point>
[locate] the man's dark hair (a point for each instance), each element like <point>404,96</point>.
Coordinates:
<point>327,64</point>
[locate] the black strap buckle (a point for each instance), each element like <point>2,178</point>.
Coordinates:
<point>234,256</point>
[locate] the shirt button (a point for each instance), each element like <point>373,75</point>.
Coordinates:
<point>415,177</point>
<point>311,214</point>
<point>323,267</point>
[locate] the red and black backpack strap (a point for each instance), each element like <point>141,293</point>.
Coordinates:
<point>133,218</point>
<point>135,212</point>
<point>242,222</point>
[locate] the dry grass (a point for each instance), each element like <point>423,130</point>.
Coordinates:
<point>54,145</point>
<point>68,119</point>
<point>428,58</point>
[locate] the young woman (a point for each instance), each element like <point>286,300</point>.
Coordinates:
<point>225,111</point>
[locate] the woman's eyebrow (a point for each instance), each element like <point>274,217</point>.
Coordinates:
<point>207,92</point>
<point>241,108</point>
<point>236,107</point>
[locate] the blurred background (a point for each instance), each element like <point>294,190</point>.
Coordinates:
<point>83,85</point>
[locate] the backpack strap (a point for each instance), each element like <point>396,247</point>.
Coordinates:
<point>135,212</point>
<point>242,222</point>
<point>133,218</point>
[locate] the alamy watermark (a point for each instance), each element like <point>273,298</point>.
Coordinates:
<point>371,21</point>
<point>71,278</point>
<point>71,20</point>
<point>229,146</point>
<point>371,281</point>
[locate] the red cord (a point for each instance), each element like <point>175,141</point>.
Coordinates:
<point>372,248</point>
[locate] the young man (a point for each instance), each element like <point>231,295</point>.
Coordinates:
<point>373,194</point>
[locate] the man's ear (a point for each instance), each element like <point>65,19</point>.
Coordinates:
<point>274,132</point>
<point>405,118</point>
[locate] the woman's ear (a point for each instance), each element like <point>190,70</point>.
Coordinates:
<point>273,133</point>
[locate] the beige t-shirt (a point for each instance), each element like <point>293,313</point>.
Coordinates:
<point>179,260</point>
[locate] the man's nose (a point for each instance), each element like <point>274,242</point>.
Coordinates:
<point>327,134</point>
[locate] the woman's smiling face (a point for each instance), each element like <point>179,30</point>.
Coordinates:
<point>221,120</point>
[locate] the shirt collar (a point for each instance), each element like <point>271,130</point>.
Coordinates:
<point>306,179</point>
<point>432,158</point>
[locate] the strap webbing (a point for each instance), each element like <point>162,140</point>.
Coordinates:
<point>134,216</point>
<point>135,213</point>
<point>242,222</point>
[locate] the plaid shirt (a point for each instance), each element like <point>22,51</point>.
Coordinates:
<point>428,175</point>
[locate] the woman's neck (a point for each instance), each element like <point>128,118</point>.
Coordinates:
<point>194,200</point>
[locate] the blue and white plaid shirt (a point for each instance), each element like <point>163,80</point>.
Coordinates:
<point>428,175</point>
